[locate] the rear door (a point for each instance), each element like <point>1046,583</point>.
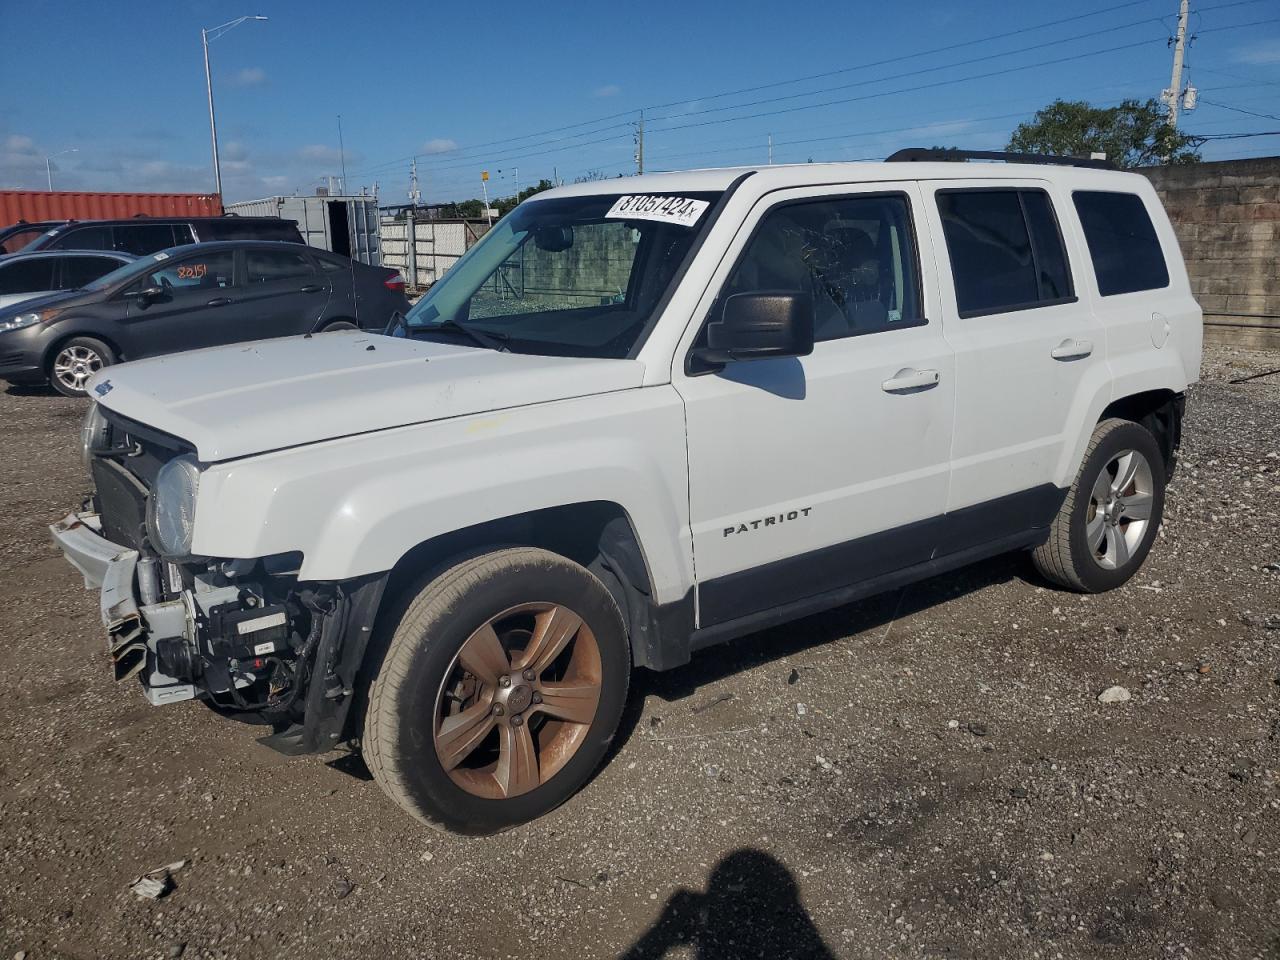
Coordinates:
<point>284,294</point>
<point>1028,349</point>
<point>196,306</point>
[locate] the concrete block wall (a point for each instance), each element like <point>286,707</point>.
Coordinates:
<point>1227,218</point>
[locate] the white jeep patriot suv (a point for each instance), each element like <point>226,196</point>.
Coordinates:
<point>639,418</point>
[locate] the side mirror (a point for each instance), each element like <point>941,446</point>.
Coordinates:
<point>150,295</point>
<point>755,326</point>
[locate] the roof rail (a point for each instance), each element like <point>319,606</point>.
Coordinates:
<point>911,154</point>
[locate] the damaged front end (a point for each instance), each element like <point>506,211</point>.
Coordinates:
<point>245,635</point>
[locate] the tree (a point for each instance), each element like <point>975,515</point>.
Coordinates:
<point>1133,134</point>
<point>505,205</point>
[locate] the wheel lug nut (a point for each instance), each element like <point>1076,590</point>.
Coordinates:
<point>529,674</point>
<point>504,681</point>
<point>516,720</point>
<point>498,710</point>
<point>537,697</point>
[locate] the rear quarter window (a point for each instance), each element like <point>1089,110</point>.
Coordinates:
<point>1123,245</point>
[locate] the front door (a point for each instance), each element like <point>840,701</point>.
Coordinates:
<point>193,305</point>
<point>810,474</point>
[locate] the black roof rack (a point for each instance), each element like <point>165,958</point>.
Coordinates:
<point>924,153</point>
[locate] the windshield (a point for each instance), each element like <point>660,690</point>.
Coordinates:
<point>131,269</point>
<point>574,276</point>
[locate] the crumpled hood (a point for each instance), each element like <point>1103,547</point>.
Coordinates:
<point>249,398</point>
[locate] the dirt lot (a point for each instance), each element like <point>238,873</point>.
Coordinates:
<point>927,774</point>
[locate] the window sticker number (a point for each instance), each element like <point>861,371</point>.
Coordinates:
<point>682,211</point>
<point>194,271</point>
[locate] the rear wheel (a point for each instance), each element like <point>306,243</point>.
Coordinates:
<point>501,689</point>
<point>1109,520</point>
<point>75,361</point>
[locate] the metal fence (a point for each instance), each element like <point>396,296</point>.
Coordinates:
<point>436,245</point>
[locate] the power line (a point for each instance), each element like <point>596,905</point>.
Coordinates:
<point>1250,113</point>
<point>914,73</point>
<point>863,66</point>
<point>924,86</point>
<point>1238,136</point>
<point>912,56</point>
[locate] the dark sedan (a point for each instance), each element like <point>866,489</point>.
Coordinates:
<point>187,297</point>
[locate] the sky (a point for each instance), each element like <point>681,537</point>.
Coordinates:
<point>555,90</point>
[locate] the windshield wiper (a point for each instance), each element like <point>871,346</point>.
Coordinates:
<point>487,339</point>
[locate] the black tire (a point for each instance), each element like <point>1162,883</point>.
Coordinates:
<point>87,356</point>
<point>1067,557</point>
<point>334,325</point>
<point>401,722</point>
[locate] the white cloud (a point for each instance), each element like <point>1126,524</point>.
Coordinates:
<point>1263,53</point>
<point>608,90</point>
<point>234,151</point>
<point>320,153</point>
<point>17,143</point>
<point>250,77</point>
<point>439,145</point>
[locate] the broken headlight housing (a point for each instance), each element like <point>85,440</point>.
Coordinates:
<point>93,434</point>
<point>171,508</point>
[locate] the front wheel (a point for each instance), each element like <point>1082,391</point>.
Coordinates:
<point>75,361</point>
<point>501,689</point>
<point>1111,515</point>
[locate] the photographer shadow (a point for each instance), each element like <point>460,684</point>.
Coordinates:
<point>751,908</point>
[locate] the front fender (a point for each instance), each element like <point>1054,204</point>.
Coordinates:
<point>356,505</point>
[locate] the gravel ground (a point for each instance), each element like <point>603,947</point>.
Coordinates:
<point>925,774</point>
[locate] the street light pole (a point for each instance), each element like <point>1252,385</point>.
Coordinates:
<point>213,123</point>
<point>48,164</point>
<point>208,83</point>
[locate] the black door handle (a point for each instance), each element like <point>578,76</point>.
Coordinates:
<point>311,288</point>
<point>220,301</point>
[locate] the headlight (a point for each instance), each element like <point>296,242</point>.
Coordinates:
<point>171,508</point>
<point>93,433</point>
<point>20,321</point>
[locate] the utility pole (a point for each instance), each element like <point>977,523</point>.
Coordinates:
<point>415,195</point>
<point>1174,94</point>
<point>640,144</point>
<point>771,149</point>
<point>342,153</point>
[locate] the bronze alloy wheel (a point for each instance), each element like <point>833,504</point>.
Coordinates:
<point>517,701</point>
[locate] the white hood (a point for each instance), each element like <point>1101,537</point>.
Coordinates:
<point>252,397</point>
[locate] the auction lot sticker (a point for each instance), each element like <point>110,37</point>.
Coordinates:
<point>681,211</point>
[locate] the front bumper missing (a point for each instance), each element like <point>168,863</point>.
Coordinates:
<point>132,630</point>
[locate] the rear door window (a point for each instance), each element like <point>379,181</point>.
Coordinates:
<point>267,266</point>
<point>78,271</point>
<point>143,238</point>
<point>27,276</point>
<point>84,238</point>
<point>182,234</point>
<point>1122,242</point>
<point>1005,248</point>
<point>234,228</point>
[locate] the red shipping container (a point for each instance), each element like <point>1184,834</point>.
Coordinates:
<point>32,205</point>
